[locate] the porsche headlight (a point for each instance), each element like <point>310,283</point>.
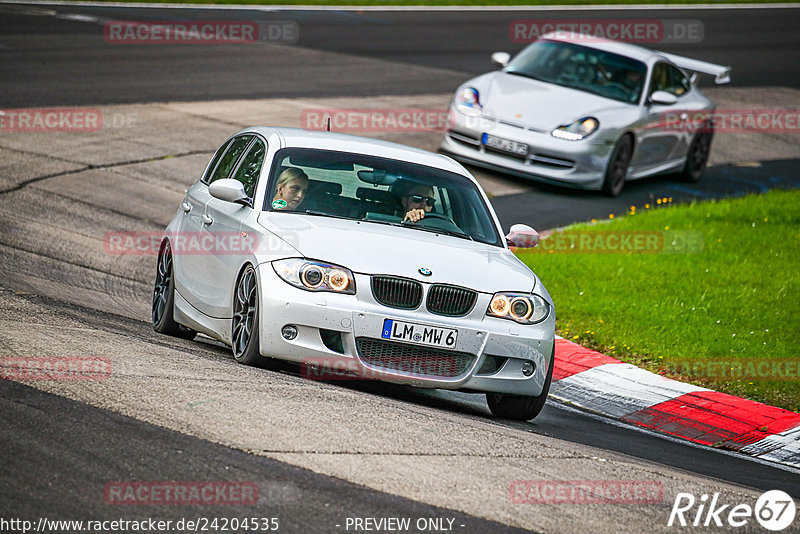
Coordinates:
<point>523,308</point>
<point>468,101</point>
<point>314,275</point>
<point>578,130</point>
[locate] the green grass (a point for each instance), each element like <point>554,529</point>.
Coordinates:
<point>736,300</point>
<point>452,2</point>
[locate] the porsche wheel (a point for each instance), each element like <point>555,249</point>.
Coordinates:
<point>521,407</point>
<point>617,169</point>
<point>697,157</point>
<point>162,313</point>
<point>244,327</point>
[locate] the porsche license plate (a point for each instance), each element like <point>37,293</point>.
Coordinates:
<point>419,333</point>
<point>506,145</point>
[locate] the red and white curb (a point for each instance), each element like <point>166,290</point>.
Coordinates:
<point>607,386</point>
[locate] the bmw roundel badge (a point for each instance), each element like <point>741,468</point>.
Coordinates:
<point>424,271</point>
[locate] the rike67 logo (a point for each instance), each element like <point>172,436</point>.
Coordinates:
<point>774,510</point>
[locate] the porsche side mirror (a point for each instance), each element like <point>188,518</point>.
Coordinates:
<point>522,236</point>
<point>664,98</point>
<point>501,59</point>
<point>229,190</point>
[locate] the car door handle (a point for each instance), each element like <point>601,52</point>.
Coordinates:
<point>186,207</point>
<point>207,219</point>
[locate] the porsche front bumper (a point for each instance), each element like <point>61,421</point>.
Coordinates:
<point>579,164</point>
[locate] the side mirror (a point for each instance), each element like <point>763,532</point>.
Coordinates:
<point>522,236</point>
<point>229,190</point>
<point>664,98</point>
<point>501,59</point>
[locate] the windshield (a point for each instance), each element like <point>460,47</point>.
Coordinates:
<point>379,190</point>
<point>580,67</point>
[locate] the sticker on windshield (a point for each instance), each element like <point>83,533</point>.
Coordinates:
<point>278,204</point>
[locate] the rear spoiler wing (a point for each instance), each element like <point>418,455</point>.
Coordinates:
<point>721,74</point>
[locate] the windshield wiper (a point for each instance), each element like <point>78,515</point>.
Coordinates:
<point>453,233</point>
<point>324,214</point>
<point>378,221</point>
<point>526,75</point>
<point>408,224</point>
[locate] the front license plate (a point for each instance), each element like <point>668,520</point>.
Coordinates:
<point>506,145</point>
<point>419,333</point>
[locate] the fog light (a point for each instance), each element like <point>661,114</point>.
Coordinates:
<point>289,332</point>
<point>528,368</point>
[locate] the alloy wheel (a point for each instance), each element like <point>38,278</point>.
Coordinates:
<point>162,284</point>
<point>620,168</point>
<point>245,307</point>
<point>699,154</point>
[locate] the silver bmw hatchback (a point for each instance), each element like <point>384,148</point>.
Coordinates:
<point>357,258</point>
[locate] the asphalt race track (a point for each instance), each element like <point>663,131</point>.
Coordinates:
<point>52,59</point>
<point>319,452</point>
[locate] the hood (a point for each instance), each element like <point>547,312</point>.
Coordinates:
<point>372,248</point>
<point>544,106</point>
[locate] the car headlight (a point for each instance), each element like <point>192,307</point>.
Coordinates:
<point>468,101</point>
<point>578,130</point>
<point>315,275</point>
<point>523,308</point>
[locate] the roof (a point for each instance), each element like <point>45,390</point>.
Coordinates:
<point>296,137</point>
<point>645,55</point>
<point>616,47</point>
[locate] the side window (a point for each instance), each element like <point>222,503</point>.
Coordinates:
<point>668,78</point>
<point>679,84</point>
<point>660,80</point>
<point>250,168</point>
<point>228,161</point>
<point>214,161</point>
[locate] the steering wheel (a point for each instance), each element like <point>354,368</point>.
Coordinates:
<point>618,89</point>
<point>438,221</point>
<point>434,215</point>
<point>585,73</point>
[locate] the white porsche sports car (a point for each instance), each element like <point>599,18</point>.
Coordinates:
<point>382,260</point>
<point>585,112</point>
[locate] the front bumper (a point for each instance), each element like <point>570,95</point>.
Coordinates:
<point>579,164</point>
<point>359,317</point>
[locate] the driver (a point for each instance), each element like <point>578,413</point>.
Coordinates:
<point>417,200</point>
<point>632,82</point>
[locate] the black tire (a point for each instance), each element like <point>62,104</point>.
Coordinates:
<point>697,157</point>
<point>617,170</point>
<point>521,407</point>
<point>244,323</point>
<point>163,309</point>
